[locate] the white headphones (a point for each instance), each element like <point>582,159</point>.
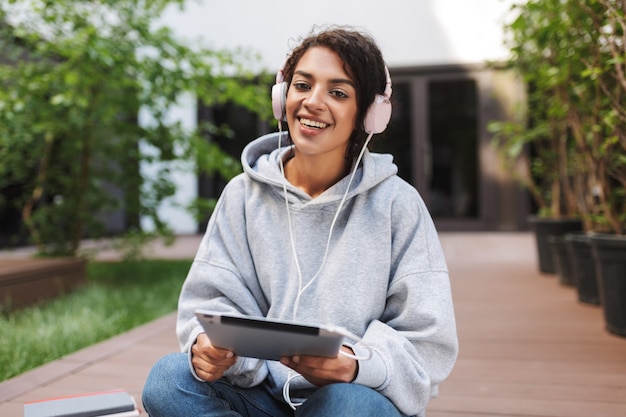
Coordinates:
<point>376,119</point>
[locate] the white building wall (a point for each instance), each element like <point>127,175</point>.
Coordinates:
<point>409,32</point>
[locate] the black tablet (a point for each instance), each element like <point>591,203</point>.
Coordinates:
<point>264,338</point>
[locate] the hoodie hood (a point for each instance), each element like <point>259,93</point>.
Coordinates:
<point>260,160</point>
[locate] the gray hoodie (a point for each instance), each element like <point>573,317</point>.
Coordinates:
<point>384,277</point>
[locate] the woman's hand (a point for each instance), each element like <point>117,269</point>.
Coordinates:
<point>210,362</point>
<point>323,371</point>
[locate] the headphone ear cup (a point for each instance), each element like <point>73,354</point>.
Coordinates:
<point>378,115</point>
<point>279,97</point>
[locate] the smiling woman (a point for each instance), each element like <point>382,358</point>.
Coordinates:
<point>329,220</point>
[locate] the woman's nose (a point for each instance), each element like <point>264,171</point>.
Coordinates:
<point>315,99</point>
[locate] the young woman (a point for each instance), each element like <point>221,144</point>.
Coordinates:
<point>319,230</point>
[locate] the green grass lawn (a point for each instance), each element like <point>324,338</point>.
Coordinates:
<point>119,296</point>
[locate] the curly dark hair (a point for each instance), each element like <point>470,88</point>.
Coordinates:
<point>363,61</point>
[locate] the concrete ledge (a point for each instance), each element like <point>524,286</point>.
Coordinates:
<point>28,281</point>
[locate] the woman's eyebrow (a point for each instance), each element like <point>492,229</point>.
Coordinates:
<point>332,81</point>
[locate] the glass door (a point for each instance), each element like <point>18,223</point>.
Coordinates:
<point>434,137</point>
<point>452,183</point>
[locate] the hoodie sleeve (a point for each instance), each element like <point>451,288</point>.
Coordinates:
<point>222,278</point>
<point>414,344</point>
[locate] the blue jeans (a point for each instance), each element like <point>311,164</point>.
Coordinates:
<point>172,391</point>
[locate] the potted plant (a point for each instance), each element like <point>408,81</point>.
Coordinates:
<point>571,53</point>
<point>539,136</point>
<point>600,130</point>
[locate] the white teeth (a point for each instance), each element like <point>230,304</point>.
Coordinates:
<point>312,123</point>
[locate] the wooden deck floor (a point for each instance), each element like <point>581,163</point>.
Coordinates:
<point>528,347</point>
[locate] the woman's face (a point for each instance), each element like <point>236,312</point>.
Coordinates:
<point>321,104</point>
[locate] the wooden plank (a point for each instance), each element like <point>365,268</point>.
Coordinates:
<point>528,407</point>
<point>527,346</point>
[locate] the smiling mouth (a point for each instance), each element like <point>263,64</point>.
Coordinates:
<point>312,123</point>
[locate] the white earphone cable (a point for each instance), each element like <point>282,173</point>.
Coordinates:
<point>332,225</point>
<point>301,289</point>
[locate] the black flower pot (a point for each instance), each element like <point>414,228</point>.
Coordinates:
<point>609,253</point>
<point>561,259</point>
<point>544,227</point>
<point>583,267</point>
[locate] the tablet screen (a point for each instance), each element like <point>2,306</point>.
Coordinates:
<point>269,325</point>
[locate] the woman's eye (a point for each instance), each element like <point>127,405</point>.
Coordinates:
<point>301,85</point>
<point>339,94</point>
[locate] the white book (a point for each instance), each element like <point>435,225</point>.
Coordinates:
<point>116,403</point>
